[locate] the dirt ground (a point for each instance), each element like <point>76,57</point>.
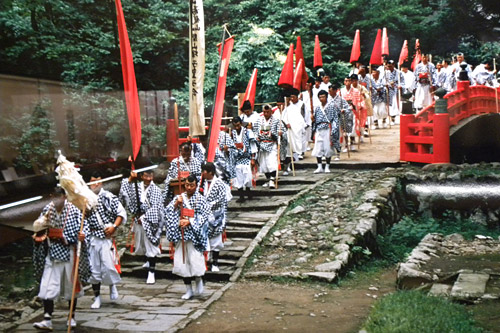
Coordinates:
<point>276,307</point>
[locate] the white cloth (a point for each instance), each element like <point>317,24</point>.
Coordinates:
<point>394,108</point>
<point>194,261</point>
<point>102,263</point>
<point>423,96</point>
<point>57,277</point>
<point>143,245</point>
<point>254,120</point>
<point>243,176</point>
<point>322,144</point>
<point>409,80</point>
<point>215,243</point>
<point>379,111</point>
<point>268,161</point>
<point>292,116</point>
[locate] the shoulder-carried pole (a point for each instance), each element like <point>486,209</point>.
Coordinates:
<point>75,274</point>
<point>494,86</point>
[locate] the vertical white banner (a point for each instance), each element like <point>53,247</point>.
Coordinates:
<point>196,67</point>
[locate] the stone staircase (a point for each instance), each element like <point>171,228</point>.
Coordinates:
<point>245,220</point>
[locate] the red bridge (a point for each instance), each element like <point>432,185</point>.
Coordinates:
<point>464,126</point>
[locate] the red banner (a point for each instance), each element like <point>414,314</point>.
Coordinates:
<point>418,55</point>
<point>286,77</point>
<point>251,88</point>
<point>219,99</point>
<point>356,48</point>
<point>129,83</point>
<point>376,58</point>
<point>403,56</point>
<point>318,59</point>
<point>385,42</point>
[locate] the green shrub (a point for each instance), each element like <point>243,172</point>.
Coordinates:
<point>405,235</point>
<point>413,311</point>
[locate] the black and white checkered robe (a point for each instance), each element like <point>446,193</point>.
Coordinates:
<point>224,161</point>
<point>193,166</point>
<point>216,196</point>
<point>197,231</point>
<point>391,79</point>
<point>242,156</point>
<point>267,138</point>
<point>70,218</point>
<point>334,110</point>
<point>107,207</point>
<point>150,210</point>
<point>198,152</point>
<point>379,93</point>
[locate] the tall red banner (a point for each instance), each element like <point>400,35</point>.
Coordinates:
<point>129,83</point>
<point>219,99</point>
<point>356,48</point>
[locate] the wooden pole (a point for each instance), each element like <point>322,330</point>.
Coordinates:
<point>279,148</point>
<point>388,96</point>
<point>75,274</point>
<point>496,88</point>
<point>290,142</point>
<point>347,136</point>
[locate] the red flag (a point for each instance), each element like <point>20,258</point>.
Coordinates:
<point>318,60</point>
<point>297,77</point>
<point>356,48</point>
<point>418,56</point>
<point>299,54</point>
<point>219,99</point>
<point>251,88</point>
<point>286,78</point>
<point>403,56</point>
<point>376,58</point>
<point>129,83</point>
<point>385,43</point>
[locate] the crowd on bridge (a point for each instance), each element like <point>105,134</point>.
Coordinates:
<point>191,207</point>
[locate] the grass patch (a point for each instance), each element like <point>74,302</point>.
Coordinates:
<point>396,245</point>
<point>412,311</point>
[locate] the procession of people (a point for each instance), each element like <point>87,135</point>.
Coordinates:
<point>190,207</point>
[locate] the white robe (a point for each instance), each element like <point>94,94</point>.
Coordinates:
<point>292,116</point>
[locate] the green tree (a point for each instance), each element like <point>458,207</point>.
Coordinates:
<point>35,143</point>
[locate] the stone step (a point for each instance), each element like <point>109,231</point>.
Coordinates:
<point>245,224</point>
<point>263,191</point>
<point>469,286</point>
<point>262,203</point>
<point>165,272</point>
<point>242,232</point>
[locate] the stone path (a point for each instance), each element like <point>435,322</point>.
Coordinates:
<point>159,308</point>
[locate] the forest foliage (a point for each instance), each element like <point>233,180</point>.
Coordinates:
<point>76,41</point>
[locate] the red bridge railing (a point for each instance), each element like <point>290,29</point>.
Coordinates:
<point>425,136</point>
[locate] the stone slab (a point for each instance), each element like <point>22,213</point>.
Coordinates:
<point>440,289</point>
<point>469,286</point>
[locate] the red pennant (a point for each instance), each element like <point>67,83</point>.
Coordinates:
<point>251,88</point>
<point>385,43</point>
<point>403,56</point>
<point>286,78</point>
<point>318,59</point>
<point>299,54</point>
<point>297,78</point>
<point>376,58</point>
<point>356,48</point>
<point>129,83</point>
<point>219,99</point>
<point>418,56</point>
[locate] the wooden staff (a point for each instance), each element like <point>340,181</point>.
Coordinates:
<point>496,88</point>
<point>75,274</point>
<point>388,96</point>
<point>279,148</point>
<point>290,142</point>
<point>399,84</point>
<point>180,215</point>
